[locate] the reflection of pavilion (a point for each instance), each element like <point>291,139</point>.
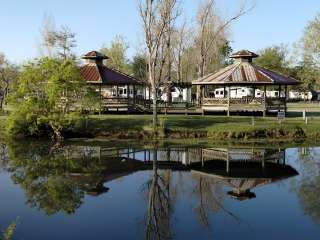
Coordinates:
<point>244,169</point>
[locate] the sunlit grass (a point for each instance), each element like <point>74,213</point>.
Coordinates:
<point>213,125</point>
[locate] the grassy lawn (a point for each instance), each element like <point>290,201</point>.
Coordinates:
<point>213,126</point>
<point>201,123</point>
<point>300,106</point>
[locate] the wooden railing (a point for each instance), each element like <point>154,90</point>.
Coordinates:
<point>215,101</point>
<point>247,100</point>
<point>233,101</point>
<point>114,101</point>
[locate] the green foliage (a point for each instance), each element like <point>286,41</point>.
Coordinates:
<point>8,233</point>
<point>139,67</point>
<point>8,78</point>
<point>273,58</point>
<point>117,54</point>
<point>47,90</point>
<point>309,76</point>
<point>311,42</point>
<point>56,178</point>
<point>310,49</point>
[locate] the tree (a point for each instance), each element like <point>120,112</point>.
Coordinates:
<point>57,42</point>
<point>47,36</point>
<point>181,42</point>
<point>48,89</point>
<point>311,41</point>
<point>8,77</point>
<point>310,48</point>
<point>139,67</point>
<point>307,186</point>
<point>65,42</point>
<point>161,198</point>
<point>156,17</point>
<point>117,52</point>
<point>211,35</point>
<point>274,58</point>
<point>44,172</point>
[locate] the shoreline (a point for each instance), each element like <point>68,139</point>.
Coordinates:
<point>138,127</point>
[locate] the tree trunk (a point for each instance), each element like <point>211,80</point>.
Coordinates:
<point>57,135</point>
<point>154,110</point>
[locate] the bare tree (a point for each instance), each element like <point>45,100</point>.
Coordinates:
<point>47,31</point>
<point>157,16</point>
<point>211,33</point>
<point>182,44</point>
<point>160,203</point>
<point>65,42</point>
<point>57,42</point>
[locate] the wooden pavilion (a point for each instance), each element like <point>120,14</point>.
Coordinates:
<point>118,90</point>
<point>221,91</point>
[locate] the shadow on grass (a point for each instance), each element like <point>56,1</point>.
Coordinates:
<point>131,123</point>
<point>195,123</point>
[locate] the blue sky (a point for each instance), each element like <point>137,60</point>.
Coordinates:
<point>98,21</point>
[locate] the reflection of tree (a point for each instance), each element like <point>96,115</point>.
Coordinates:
<point>308,187</point>
<point>52,181</point>
<point>3,156</point>
<point>210,196</point>
<point>308,193</point>
<point>160,201</point>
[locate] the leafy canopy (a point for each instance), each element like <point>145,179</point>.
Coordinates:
<point>47,90</point>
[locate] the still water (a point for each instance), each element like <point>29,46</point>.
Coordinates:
<point>109,190</point>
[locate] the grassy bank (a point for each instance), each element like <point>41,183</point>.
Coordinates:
<point>214,127</point>
<point>188,127</point>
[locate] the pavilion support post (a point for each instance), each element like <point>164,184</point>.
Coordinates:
<point>198,96</point>
<point>134,94</point>
<point>100,96</point>
<point>117,92</point>
<point>117,96</point>
<point>228,111</point>
<point>285,98</point>
<point>128,97</point>
<point>145,93</point>
<point>279,98</point>
<point>128,91</point>
<point>202,93</point>
<point>264,100</point>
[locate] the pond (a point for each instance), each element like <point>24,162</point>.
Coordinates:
<point>125,190</point>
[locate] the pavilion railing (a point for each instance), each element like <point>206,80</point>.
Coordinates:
<point>233,101</point>
<point>215,101</point>
<point>247,100</point>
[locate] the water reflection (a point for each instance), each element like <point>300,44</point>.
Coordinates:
<point>244,169</point>
<point>308,187</point>
<point>57,178</point>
